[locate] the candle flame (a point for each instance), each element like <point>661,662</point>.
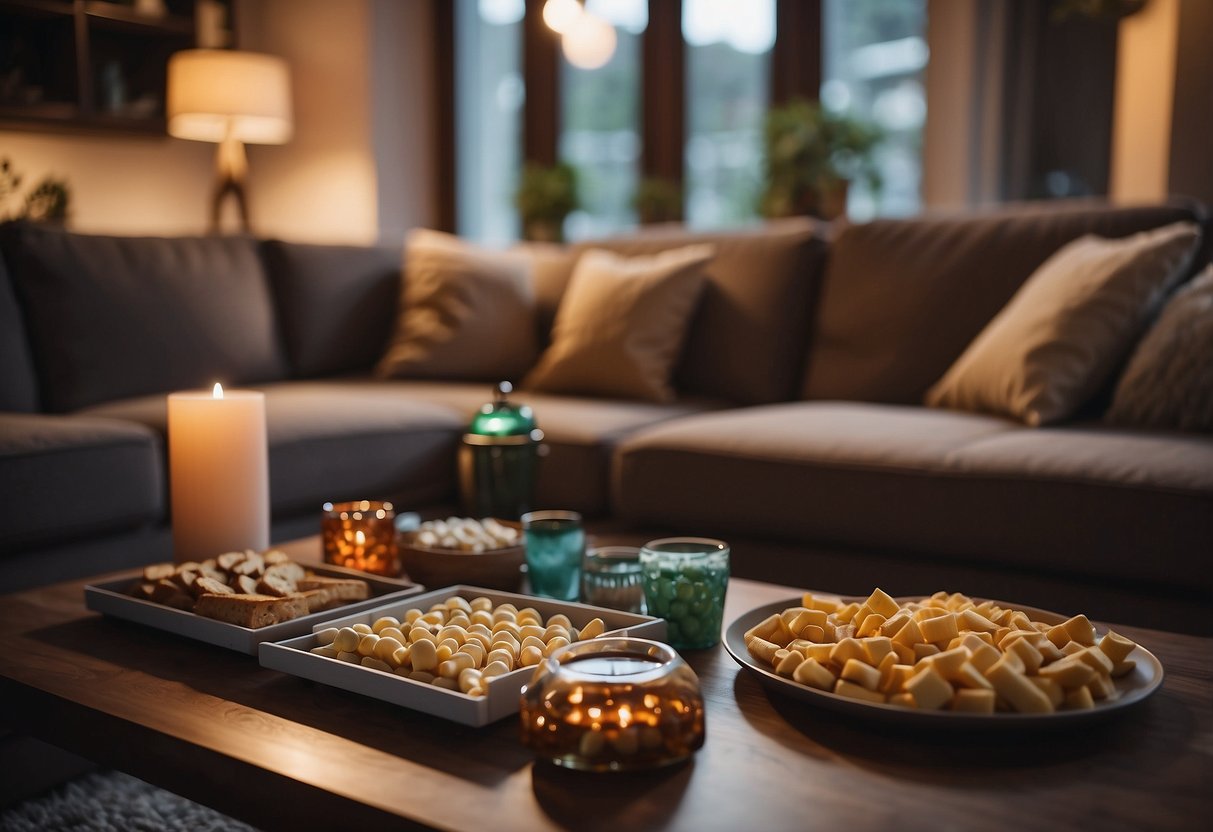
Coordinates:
<point>360,537</point>
<point>218,391</point>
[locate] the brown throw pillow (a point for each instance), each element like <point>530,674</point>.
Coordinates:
<point>1068,327</point>
<point>466,313</point>
<point>1169,380</point>
<point>621,324</point>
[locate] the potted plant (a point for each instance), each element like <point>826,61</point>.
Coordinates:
<point>545,196</point>
<point>812,155</point>
<point>657,200</point>
<point>48,201</point>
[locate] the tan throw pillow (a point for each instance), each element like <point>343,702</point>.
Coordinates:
<point>621,324</point>
<point>466,313</point>
<point>1068,327</point>
<point>1169,380</point>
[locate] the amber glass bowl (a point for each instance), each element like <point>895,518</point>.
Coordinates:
<point>613,704</point>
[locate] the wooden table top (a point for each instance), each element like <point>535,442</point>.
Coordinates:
<point>279,751</point>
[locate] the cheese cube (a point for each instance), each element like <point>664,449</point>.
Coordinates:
<point>948,662</point>
<point>940,628</point>
<point>904,700</point>
<point>809,618</point>
<point>788,664</point>
<point>909,634</point>
<point>1079,699</point>
<point>983,657</point>
<point>1069,672</point>
<point>826,605</point>
<point>1116,647</point>
<point>1101,687</point>
<point>1123,668</point>
<point>762,649</point>
<point>974,701</point>
<point>1050,688</point>
<point>1015,689</point>
<point>1028,654</point>
<point>762,629</point>
<point>1049,652</point>
<point>1072,647</point>
<point>1077,629</point>
<point>1097,659</point>
<point>812,673</point>
<point>854,691</point>
<point>921,651</point>
<point>970,677</point>
<point>870,625</point>
<point>896,678</point>
<point>820,652</point>
<point>789,615</point>
<point>844,614</point>
<point>861,673</point>
<point>930,690</point>
<point>905,653</point>
<point>877,647</point>
<point>880,602</point>
<point>848,648</point>
<point>976,622</point>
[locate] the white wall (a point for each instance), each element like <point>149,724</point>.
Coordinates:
<point>325,185</point>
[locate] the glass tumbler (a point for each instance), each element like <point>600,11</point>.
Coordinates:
<point>555,545</point>
<point>611,577</point>
<point>685,579</point>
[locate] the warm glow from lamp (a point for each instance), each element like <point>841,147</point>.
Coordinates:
<point>560,15</point>
<point>233,98</point>
<point>590,42</point>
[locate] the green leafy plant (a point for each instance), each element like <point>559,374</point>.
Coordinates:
<point>545,196</point>
<point>657,200</point>
<point>812,155</point>
<point>49,200</point>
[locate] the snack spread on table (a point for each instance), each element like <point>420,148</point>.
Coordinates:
<point>457,644</point>
<point>945,652</point>
<point>248,588</point>
<point>466,534</point>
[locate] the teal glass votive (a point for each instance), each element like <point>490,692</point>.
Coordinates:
<point>685,579</point>
<point>555,545</point>
<point>611,577</point>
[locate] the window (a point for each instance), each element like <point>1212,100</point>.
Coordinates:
<point>600,130</point>
<point>875,52</point>
<point>728,67</point>
<point>489,96</point>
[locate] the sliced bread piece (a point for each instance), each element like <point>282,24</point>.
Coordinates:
<point>343,590</point>
<point>252,611</point>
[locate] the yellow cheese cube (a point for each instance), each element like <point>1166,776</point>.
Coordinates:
<point>1072,647</point>
<point>1028,654</point>
<point>896,678</point>
<point>974,701</point>
<point>1101,687</point>
<point>870,624</point>
<point>861,673</point>
<point>876,648</point>
<point>1015,689</point>
<point>820,652</point>
<point>1116,647</point>
<point>903,700</point>
<point>808,618</point>
<point>843,615</point>
<point>788,664</point>
<point>848,648</point>
<point>826,605</point>
<point>909,634</point>
<point>762,649</point>
<point>1097,659</point>
<point>976,622</point>
<point>812,673</point>
<point>987,608</point>
<point>1049,688</point>
<point>940,628</point>
<point>949,661</point>
<point>853,691</point>
<point>921,651</point>
<point>842,631</point>
<point>1123,668</point>
<point>930,690</point>
<point>789,615</point>
<point>1081,630</point>
<point>1079,699</point>
<point>1049,652</point>
<point>1069,672</point>
<point>801,645</point>
<point>763,628</point>
<point>983,657</point>
<point>880,602</point>
<point>811,632</point>
<point>905,653</point>
<point>1019,620</point>
<point>970,677</point>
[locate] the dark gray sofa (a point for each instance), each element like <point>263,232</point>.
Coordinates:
<point>798,434</point>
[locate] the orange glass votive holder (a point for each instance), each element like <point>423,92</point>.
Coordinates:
<point>361,535</point>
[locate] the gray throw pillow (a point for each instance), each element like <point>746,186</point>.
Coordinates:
<point>1168,382</point>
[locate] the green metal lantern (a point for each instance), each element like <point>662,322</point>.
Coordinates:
<point>499,458</point>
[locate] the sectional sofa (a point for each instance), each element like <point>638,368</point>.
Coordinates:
<point>798,433</point>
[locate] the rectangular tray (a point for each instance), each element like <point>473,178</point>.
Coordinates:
<point>110,598</point>
<point>504,693</point>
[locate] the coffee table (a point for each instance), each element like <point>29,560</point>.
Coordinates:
<point>281,752</point>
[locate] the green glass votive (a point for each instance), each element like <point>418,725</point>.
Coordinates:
<point>685,579</point>
<point>555,544</point>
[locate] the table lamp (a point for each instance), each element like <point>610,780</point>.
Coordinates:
<point>229,97</point>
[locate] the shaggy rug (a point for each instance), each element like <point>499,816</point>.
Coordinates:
<point>108,801</point>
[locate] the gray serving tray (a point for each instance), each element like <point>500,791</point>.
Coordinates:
<point>110,598</point>
<point>504,693</point>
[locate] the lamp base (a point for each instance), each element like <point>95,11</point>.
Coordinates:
<point>231,165</point>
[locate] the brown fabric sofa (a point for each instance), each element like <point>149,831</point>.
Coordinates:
<point>798,434</point>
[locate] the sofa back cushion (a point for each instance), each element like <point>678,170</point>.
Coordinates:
<point>113,317</point>
<point>746,342</point>
<point>902,299</point>
<point>18,388</point>
<point>336,303</point>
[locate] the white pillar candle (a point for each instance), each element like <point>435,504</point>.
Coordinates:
<point>218,472</point>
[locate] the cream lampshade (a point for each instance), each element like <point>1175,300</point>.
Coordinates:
<point>229,97</point>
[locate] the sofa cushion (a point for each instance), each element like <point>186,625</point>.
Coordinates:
<point>334,441</point>
<point>113,317</point>
<point>1080,500</point>
<point>466,313</point>
<point>336,304</point>
<point>903,298</point>
<point>580,435</point>
<point>18,387</point>
<point>1069,327</point>
<point>621,325</point>
<point>67,477</point>
<point>1168,382</point>
<point>747,341</point>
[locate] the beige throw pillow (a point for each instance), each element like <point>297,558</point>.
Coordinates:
<point>1068,327</point>
<point>1169,380</point>
<point>466,313</point>
<point>622,323</point>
